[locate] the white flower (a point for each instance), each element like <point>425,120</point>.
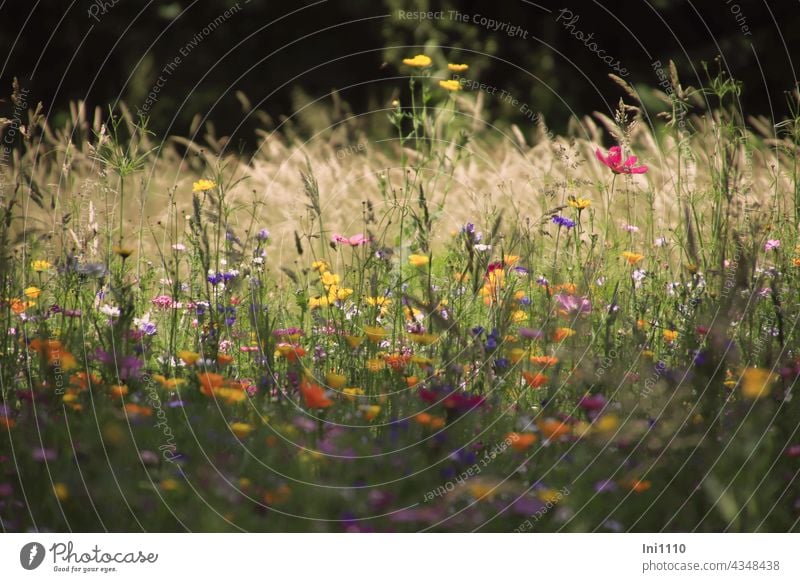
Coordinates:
<point>482,248</point>
<point>110,310</point>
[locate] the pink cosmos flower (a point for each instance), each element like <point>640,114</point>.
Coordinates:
<point>572,304</point>
<point>614,162</point>
<point>354,241</point>
<point>772,244</point>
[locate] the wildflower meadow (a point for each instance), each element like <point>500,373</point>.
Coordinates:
<point>464,326</point>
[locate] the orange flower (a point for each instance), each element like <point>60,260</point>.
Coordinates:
<point>119,390</point>
<point>277,496</point>
<point>535,380</point>
<point>553,428</point>
<point>563,333</point>
<point>290,351</point>
<point>224,359</point>
<point>632,258</point>
<point>544,361</point>
<point>521,442</point>
<point>314,395</point>
<point>6,422</point>
<point>411,381</point>
<point>423,418</point>
<point>397,361</point>
<point>638,486</point>
<point>136,410</point>
<point>209,381</point>
<point>437,422</point>
<point>83,381</point>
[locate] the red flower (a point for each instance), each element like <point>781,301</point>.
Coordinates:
<point>314,395</point>
<point>614,162</point>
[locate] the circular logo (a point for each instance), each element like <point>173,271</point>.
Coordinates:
<point>31,555</point>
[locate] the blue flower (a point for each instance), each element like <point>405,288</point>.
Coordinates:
<point>563,221</point>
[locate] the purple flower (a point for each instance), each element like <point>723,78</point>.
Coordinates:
<point>605,486</point>
<point>262,234</point>
<point>592,403</point>
<point>772,244</point>
<point>563,221</point>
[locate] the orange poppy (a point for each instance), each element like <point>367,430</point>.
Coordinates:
<point>553,428</point>
<point>314,395</point>
<point>535,380</point>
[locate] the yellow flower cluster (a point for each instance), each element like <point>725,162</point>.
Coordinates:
<point>331,282</point>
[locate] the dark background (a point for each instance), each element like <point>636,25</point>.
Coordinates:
<point>61,54</point>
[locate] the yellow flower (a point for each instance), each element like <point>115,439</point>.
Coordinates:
<point>241,429</point>
<point>40,265</point>
<point>379,301</point>
<point>170,485</point>
<point>203,185</point>
<point>354,340</point>
<point>424,339</point>
<point>457,68</point>
<point>632,258</point>
<point>450,85</point>
<point>32,292</point>
<point>168,383</point>
<point>334,380</point>
<point>515,355</point>
<point>579,203</point>
<point>316,302</point>
<point>519,316</point>
<point>419,260</point>
<point>670,335</point>
<point>606,424</point>
<point>61,491</point>
<point>188,357</point>
<point>320,266</point>
<point>329,278</point>
<point>419,61</point>
<point>336,293</point>
<point>757,383</point>
<point>351,393</point>
<point>370,411</point>
<point>123,252</point>
<point>375,334</point>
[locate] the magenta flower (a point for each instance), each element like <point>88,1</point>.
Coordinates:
<point>354,241</point>
<point>614,162</point>
<point>772,244</point>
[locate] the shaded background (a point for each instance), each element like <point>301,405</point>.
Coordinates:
<point>284,54</point>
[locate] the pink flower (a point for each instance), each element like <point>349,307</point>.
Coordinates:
<point>614,162</point>
<point>772,244</point>
<point>572,304</point>
<point>354,241</point>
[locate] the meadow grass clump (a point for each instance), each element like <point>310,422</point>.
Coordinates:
<point>448,331</point>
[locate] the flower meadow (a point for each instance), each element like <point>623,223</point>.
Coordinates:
<point>606,342</point>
